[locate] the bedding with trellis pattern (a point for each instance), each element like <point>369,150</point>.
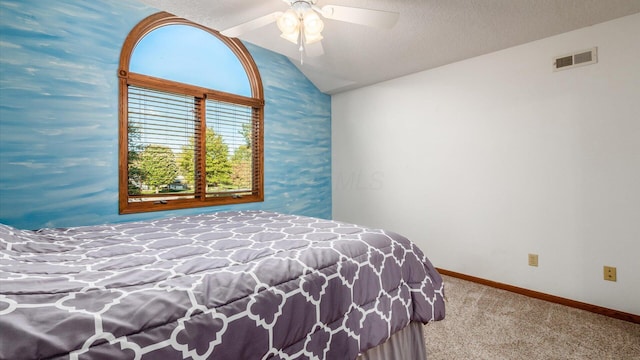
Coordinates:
<point>230,285</point>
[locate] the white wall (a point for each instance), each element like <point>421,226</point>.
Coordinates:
<point>486,160</point>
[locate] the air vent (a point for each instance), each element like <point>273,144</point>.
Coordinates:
<point>578,58</point>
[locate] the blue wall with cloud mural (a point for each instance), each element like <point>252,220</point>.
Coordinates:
<point>59,119</point>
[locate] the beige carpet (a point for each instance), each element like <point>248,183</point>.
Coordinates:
<point>487,323</point>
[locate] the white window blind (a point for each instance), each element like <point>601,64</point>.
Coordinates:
<point>161,124</point>
<point>232,124</point>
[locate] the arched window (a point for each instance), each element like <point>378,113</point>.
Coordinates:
<point>191,118</point>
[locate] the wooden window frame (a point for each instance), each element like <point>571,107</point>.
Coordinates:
<point>256,102</point>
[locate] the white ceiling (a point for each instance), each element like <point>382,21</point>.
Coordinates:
<point>429,33</point>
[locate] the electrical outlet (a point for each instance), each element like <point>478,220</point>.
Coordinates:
<point>533,259</point>
<point>610,273</point>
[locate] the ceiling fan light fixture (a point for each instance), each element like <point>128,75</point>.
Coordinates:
<point>310,39</point>
<point>312,23</point>
<point>289,23</point>
<point>293,37</point>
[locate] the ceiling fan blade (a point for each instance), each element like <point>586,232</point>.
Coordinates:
<point>251,25</point>
<point>315,49</point>
<point>369,17</point>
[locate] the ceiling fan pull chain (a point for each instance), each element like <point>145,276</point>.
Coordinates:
<point>301,39</point>
<point>301,49</point>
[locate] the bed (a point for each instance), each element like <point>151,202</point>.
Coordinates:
<point>229,285</point>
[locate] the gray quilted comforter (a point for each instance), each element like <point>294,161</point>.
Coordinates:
<point>234,285</point>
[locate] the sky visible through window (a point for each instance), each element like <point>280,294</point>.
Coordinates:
<point>189,55</point>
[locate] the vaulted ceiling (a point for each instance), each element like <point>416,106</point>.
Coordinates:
<point>429,33</point>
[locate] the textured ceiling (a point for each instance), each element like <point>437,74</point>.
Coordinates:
<point>429,33</point>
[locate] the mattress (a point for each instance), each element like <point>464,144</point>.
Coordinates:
<point>229,285</point>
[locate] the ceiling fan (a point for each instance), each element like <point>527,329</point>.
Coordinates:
<point>302,25</point>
